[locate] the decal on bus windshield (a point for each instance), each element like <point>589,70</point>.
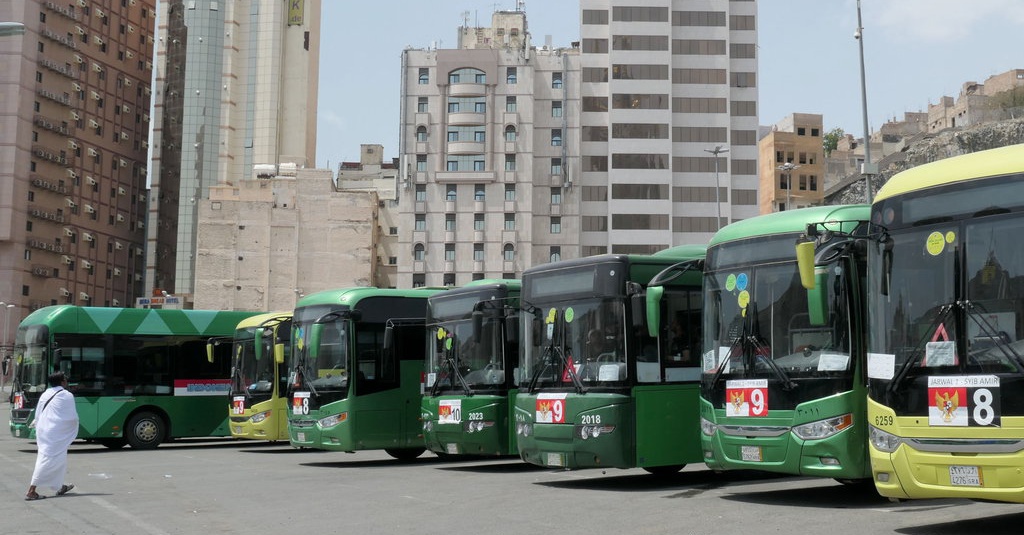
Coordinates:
<point>449,411</point>
<point>746,397</point>
<point>963,401</point>
<point>550,409</point>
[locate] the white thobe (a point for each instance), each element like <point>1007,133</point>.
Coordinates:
<point>56,428</point>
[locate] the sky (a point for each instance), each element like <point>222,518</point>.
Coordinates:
<point>915,52</point>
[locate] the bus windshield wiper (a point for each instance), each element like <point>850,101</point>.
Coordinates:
<point>976,314</point>
<point>449,362</point>
<point>550,352</point>
<point>761,351</point>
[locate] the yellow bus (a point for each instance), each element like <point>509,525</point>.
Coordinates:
<point>946,334</point>
<point>259,383</point>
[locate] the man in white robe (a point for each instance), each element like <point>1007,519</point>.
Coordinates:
<point>56,424</point>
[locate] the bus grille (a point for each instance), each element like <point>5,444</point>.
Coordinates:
<point>20,416</point>
<point>302,423</point>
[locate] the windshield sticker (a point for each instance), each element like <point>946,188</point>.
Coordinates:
<point>746,397</point>
<point>431,378</point>
<point>833,362</point>
<point>741,281</point>
<point>449,411</point>
<point>936,243</point>
<point>238,405</point>
<point>963,401</point>
<point>440,333</point>
<point>300,403</point>
<point>743,299</point>
<point>950,237</point>
<point>550,322</point>
<point>940,354</point>
<point>550,409</point>
<point>730,282</point>
<point>881,366</point>
<point>569,314</point>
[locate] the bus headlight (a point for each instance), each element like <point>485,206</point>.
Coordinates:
<point>823,428</point>
<point>708,427</point>
<point>882,441</point>
<point>524,429</point>
<point>332,420</point>
<point>428,425</point>
<point>259,417</point>
<point>593,431</point>
<point>476,426</point>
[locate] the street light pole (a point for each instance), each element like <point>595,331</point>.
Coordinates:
<point>718,201</point>
<point>867,168</point>
<point>787,169</point>
<point>5,351</point>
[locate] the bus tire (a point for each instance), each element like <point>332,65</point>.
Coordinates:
<point>112,443</point>
<point>145,431</point>
<point>664,470</point>
<point>404,454</point>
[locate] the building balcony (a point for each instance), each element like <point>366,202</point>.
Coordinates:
<point>466,118</point>
<point>467,90</point>
<point>465,147</point>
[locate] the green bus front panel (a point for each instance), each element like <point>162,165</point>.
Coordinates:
<point>556,423</point>
<point>273,426</point>
<point>667,425</point>
<point>388,419</point>
<point>482,426</point>
<point>841,456</point>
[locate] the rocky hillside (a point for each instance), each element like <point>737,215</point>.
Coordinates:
<point>928,148</point>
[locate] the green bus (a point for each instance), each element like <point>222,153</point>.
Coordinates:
<point>784,381</point>
<point>604,381</point>
<point>356,370</point>
<point>472,355</point>
<point>140,376</point>
<point>259,380</point>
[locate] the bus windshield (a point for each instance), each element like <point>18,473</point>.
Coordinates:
<point>458,360</point>
<point>251,377</point>
<point>325,368</point>
<point>574,344</point>
<point>759,326</point>
<point>950,300</point>
<point>30,360</point>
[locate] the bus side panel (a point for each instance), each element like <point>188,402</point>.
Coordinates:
<point>667,425</point>
<point>390,419</point>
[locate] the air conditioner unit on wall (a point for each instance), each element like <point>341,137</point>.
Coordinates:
<point>65,292</point>
<point>115,302</point>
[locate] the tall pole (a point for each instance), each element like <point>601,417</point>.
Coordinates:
<point>718,201</point>
<point>787,170</point>
<point>5,353</point>
<point>866,168</point>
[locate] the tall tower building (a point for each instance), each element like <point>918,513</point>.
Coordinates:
<point>74,129</point>
<point>236,93</point>
<point>489,145</point>
<point>668,86</point>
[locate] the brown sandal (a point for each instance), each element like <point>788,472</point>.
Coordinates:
<point>34,496</point>
<point>64,489</point>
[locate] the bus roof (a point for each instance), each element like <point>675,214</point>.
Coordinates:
<point>260,319</point>
<point>350,296</point>
<point>512,285</point>
<point>684,252</point>
<point>789,221</point>
<point>987,163</point>
<point>110,320</point>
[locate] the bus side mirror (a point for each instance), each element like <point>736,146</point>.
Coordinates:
<point>817,298</point>
<point>389,337</point>
<point>654,294</point>
<point>316,332</point>
<point>257,349</point>
<point>637,307</point>
<point>279,353</point>
<point>805,263</point>
<point>886,265</point>
<point>209,351</point>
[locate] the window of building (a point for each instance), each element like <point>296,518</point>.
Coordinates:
<point>510,192</point>
<point>511,75</point>
<point>419,280</point>
<point>510,133</point>
<point>421,162</point>
<point>510,162</point>
<point>479,192</point>
<point>452,165</point>
<point>510,221</point>
<point>555,253</point>
<point>424,76</point>
<point>449,252</point>
<point>420,222</point>
<point>419,252</point>
<point>509,252</point>
<point>510,104</point>
<point>556,80</point>
<point>556,166</point>
<point>556,137</point>
<point>478,222</point>
<point>813,182</point>
<point>556,195</point>
<point>556,108</point>
<point>449,222</point>
<point>421,133</point>
<point>478,252</point>
<point>421,192</point>
<point>451,190</point>
<point>479,165</point>
<point>393,231</point>
<point>421,105</point>
<point>556,225</point>
<point>448,279</point>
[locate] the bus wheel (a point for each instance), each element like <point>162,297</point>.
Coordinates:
<point>112,443</point>
<point>404,454</point>
<point>664,470</point>
<point>145,431</point>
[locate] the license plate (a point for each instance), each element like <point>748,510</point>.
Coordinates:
<point>964,476</point>
<point>751,453</point>
<point>554,459</point>
<point>237,429</point>
<point>300,437</point>
<point>452,448</point>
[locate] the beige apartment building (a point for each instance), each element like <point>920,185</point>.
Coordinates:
<point>265,243</point>
<point>236,100</point>
<point>74,125</point>
<point>792,164</point>
<point>373,174</point>
<point>489,144</point>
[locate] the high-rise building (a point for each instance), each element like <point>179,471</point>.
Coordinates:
<point>74,120</point>
<point>488,156</point>
<point>667,88</point>
<point>236,94</point>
